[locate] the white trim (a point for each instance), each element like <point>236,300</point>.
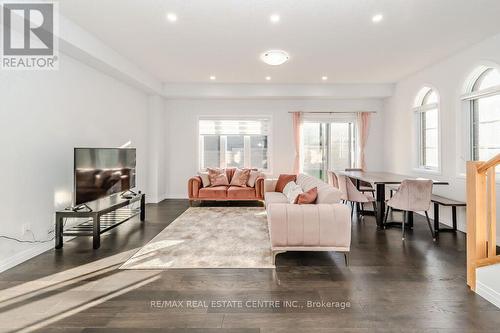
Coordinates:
<point>20,257</point>
<point>427,107</point>
<point>491,91</point>
<point>419,98</point>
<point>474,73</point>
<point>418,109</point>
<point>466,101</point>
<point>177,196</point>
<point>488,294</point>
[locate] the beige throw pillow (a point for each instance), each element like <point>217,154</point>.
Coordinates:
<point>254,174</point>
<point>217,177</point>
<point>205,181</point>
<point>240,177</point>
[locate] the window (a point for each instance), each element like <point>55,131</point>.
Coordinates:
<point>328,145</point>
<point>484,115</point>
<point>427,114</point>
<point>242,143</point>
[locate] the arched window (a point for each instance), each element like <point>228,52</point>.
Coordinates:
<point>427,114</point>
<point>483,101</point>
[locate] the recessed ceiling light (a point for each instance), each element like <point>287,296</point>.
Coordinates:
<point>377,18</point>
<point>268,78</point>
<point>324,78</point>
<point>275,18</point>
<point>171,17</point>
<point>213,78</point>
<point>274,57</point>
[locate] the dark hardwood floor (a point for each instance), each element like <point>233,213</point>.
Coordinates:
<point>390,286</point>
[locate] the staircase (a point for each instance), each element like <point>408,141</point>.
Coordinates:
<point>483,264</point>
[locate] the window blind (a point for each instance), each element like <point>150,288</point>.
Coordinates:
<point>234,126</point>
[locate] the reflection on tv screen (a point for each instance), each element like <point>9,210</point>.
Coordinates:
<point>100,172</point>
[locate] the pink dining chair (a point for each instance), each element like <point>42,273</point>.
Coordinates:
<point>333,179</point>
<point>363,185</point>
<point>413,195</point>
<point>353,195</point>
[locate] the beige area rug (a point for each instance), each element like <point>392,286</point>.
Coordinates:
<point>209,237</point>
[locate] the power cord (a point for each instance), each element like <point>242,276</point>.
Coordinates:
<point>26,241</point>
<point>34,241</point>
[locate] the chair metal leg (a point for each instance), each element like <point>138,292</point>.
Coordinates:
<point>430,226</point>
<point>352,209</point>
<point>386,215</point>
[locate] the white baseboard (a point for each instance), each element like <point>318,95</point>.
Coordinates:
<point>155,200</point>
<point>25,255</point>
<point>176,196</point>
<point>488,294</point>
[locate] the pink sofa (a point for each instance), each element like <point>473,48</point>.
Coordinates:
<point>323,226</point>
<point>197,192</point>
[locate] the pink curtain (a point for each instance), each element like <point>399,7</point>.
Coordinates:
<point>297,125</point>
<point>363,127</point>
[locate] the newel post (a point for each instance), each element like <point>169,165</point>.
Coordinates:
<point>476,220</point>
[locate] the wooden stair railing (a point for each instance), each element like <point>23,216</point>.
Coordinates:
<point>481,217</point>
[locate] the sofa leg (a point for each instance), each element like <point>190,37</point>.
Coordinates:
<point>275,253</point>
<point>346,258</point>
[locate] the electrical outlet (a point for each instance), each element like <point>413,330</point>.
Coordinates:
<point>26,227</point>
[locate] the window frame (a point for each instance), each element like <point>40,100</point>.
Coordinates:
<point>469,94</point>
<point>247,142</point>
<point>473,98</point>
<point>419,109</point>
<point>328,119</point>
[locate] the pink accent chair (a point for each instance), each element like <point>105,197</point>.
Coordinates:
<point>413,195</point>
<point>323,226</point>
<point>197,192</point>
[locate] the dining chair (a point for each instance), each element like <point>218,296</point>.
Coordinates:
<point>413,195</point>
<point>363,186</point>
<point>333,179</point>
<point>353,195</point>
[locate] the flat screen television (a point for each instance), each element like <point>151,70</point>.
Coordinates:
<point>100,172</point>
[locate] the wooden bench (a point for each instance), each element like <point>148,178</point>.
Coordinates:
<point>442,201</point>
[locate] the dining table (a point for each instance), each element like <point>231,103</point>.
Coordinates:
<point>380,180</point>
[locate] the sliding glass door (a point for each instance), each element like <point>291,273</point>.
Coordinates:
<point>328,146</point>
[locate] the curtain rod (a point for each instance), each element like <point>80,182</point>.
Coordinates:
<point>330,112</point>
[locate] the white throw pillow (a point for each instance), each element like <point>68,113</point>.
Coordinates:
<point>288,187</point>
<point>294,193</point>
<point>205,181</point>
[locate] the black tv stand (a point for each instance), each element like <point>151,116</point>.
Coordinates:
<point>105,214</point>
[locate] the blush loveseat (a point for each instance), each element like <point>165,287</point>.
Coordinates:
<point>197,192</point>
<point>323,226</point>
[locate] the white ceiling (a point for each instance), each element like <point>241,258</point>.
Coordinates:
<point>323,37</point>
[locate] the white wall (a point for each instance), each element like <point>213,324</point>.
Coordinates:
<point>448,77</point>
<point>43,115</point>
<point>183,127</point>
<point>158,149</point>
